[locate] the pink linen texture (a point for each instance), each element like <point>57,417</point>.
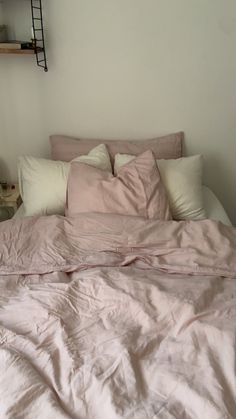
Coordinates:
<point>117,317</point>
<point>67,148</point>
<point>136,190</point>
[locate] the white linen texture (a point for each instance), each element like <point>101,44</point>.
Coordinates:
<point>183,182</point>
<point>43,182</point>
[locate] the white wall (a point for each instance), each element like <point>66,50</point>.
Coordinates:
<point>131,69</point>
<point>21,117</point>
<point>1,13</point>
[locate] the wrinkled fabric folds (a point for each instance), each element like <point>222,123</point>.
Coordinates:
<point>104,316</point>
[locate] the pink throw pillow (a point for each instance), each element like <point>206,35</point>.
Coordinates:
<point>66,148</point>
<point>136,190</point>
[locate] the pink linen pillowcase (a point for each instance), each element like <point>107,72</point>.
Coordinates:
<point>136,190</point>
<point>66,148</point>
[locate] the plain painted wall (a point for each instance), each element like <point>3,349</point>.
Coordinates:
<point>128,69</point>
<point>1,13</point>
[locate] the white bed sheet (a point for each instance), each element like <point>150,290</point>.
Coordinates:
<point>20,213</point>
<point>213,207</point>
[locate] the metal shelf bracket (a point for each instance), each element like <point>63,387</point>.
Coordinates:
<point>38,30</point>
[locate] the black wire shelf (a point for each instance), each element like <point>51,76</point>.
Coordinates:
<point>38,31</point>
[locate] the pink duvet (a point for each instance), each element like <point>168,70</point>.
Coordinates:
<point>108,317</point>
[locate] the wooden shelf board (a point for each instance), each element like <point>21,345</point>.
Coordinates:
<point>18,51</point>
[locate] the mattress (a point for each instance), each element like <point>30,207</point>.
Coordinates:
<point>214,208</point>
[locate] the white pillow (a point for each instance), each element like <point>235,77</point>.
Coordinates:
<point>183,181</point>
<point>43,182</point>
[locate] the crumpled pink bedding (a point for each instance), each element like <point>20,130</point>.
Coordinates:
<point>106,316</point>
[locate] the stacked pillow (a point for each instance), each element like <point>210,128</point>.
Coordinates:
<point>166,147</point>
<point>136,190</point>
<point>183,182</point>
<point>43,182</point>
<point>142,185</point>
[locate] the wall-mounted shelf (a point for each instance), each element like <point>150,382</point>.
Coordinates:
<point>36,46</point>
<point>19,51</point>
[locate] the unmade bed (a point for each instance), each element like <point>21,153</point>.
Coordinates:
<point>117,317</point>
<point>117,287</point>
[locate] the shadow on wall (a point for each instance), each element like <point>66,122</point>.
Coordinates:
<point>4,171</point>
